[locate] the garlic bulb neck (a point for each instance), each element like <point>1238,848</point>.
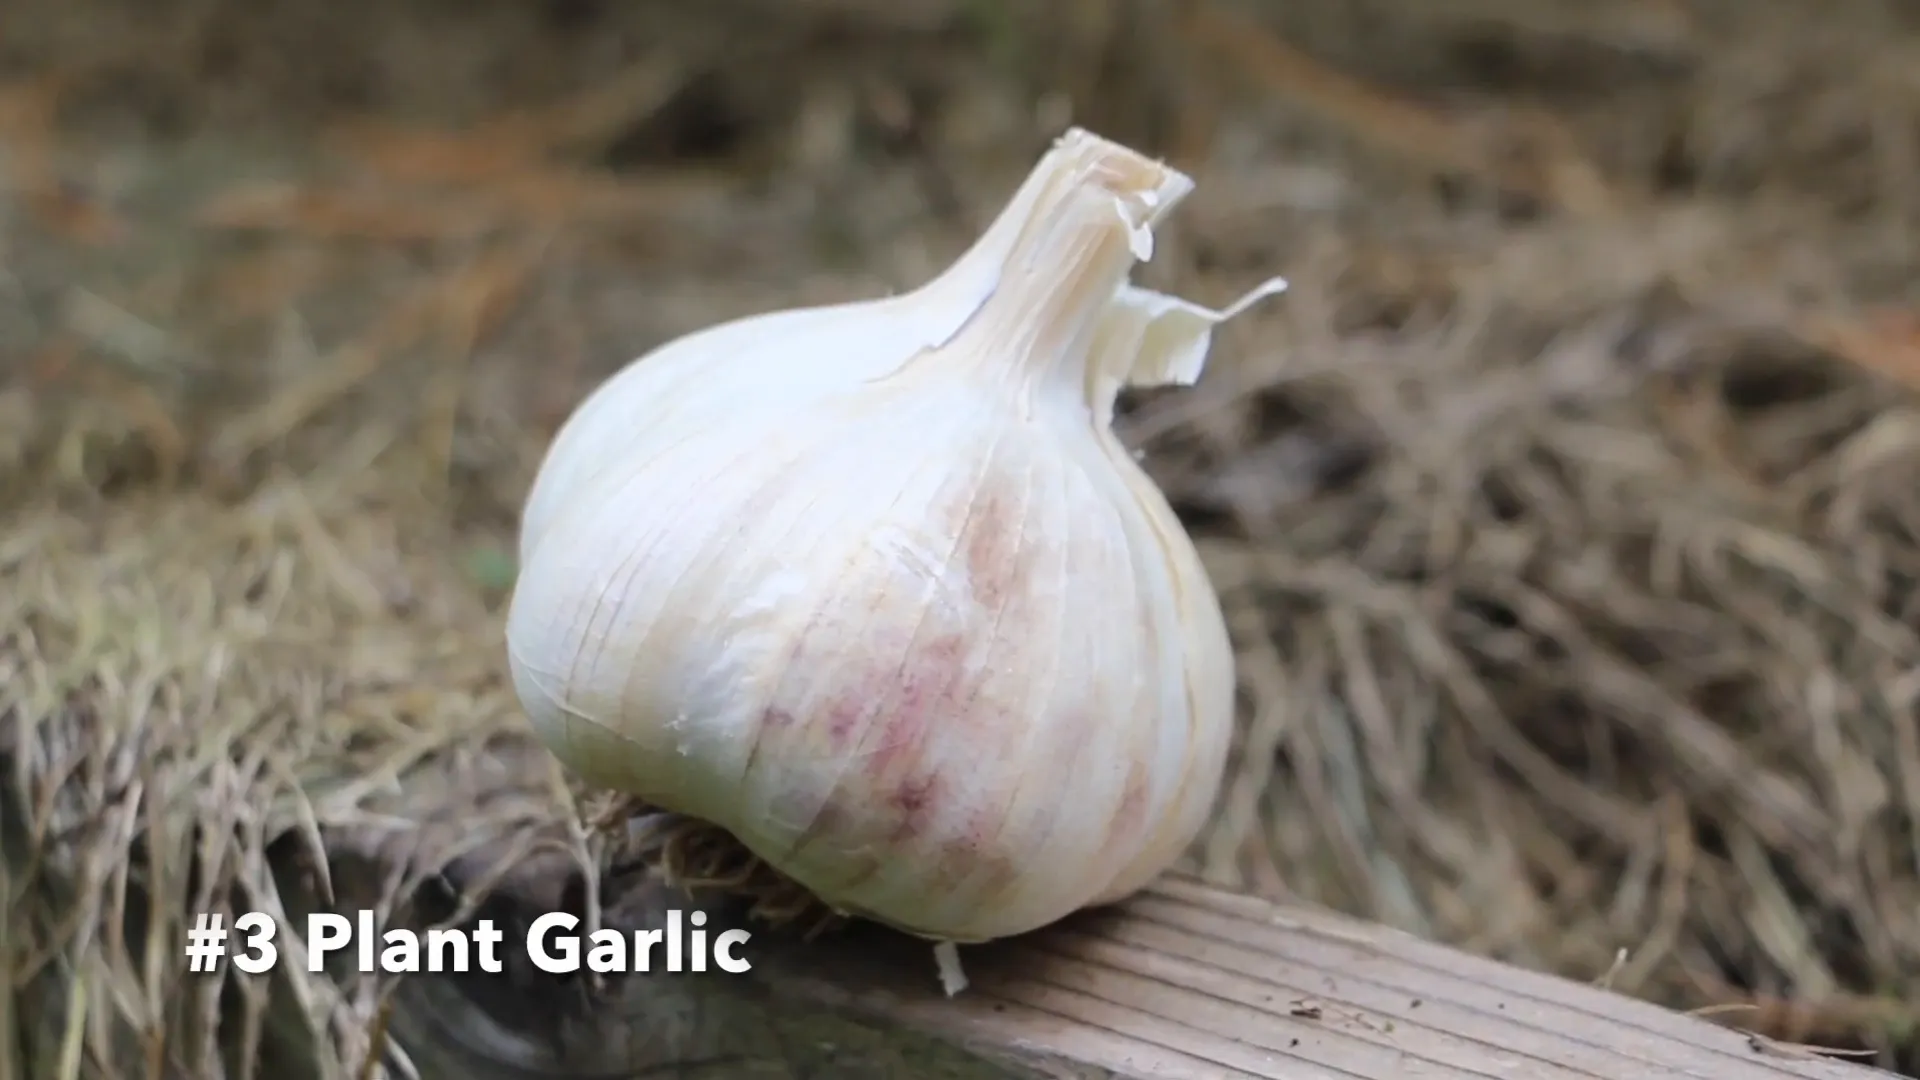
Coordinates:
<point>1045,273</point>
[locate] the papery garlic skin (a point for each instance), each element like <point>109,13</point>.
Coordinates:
<point>875,588</point>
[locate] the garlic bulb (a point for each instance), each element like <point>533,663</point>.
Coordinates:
<point>875,588</point>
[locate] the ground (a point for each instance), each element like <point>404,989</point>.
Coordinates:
<point>1562,509</point>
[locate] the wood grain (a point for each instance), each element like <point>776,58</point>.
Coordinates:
<point>1184,982</point>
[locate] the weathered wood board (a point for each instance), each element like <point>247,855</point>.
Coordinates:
<point>1184,982</point>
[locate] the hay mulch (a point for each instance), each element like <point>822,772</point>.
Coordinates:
<point>1564,511</point>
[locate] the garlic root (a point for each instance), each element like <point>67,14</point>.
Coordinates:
<point>946,960</point>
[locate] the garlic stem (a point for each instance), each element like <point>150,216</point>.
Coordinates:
<point>1051,264</point>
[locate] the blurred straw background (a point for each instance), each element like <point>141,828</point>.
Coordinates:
<point>1564,510</point>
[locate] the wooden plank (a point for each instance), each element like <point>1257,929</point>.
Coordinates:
<point>1184,982</point>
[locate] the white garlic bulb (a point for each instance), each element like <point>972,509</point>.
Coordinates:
<point>874,587</point>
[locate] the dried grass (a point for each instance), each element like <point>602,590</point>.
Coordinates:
<point>1563,511</point>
